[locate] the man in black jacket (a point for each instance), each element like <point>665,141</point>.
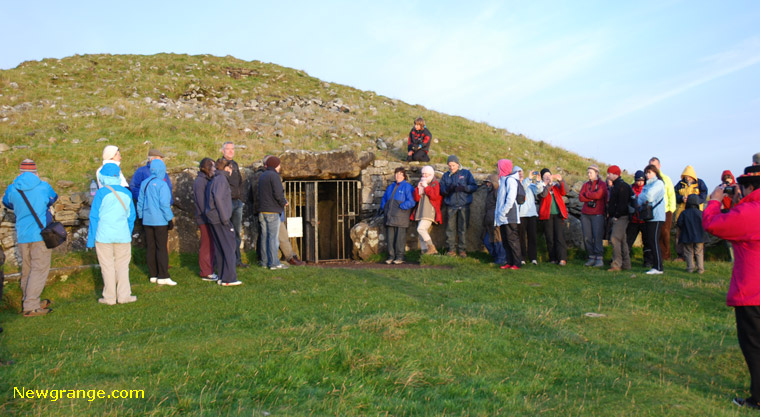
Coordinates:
<point>236,190</point>
<point>617,210</point>
<point>271,206</point>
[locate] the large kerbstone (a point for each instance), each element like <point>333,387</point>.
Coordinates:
<point>342,164</point>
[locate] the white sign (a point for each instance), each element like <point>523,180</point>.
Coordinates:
<point>295,226</point>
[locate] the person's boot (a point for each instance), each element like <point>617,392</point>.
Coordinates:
<point>591,261</point>
<point>599,262</point>
<point>431,250</point>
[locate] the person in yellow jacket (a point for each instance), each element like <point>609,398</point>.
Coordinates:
<point>688,185</point>
<point>670,207</point>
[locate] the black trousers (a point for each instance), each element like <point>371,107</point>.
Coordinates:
<point>157,239</point>
<point>510,238</point>
<point>748,332</point>
<point>226,258</point>
<point>528,229</point>
<point>554,232</point>
<point>418,155</point>
<point>631,233</point>
<point>396,238</point>
<point>651,238</point>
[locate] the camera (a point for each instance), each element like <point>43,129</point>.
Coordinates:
<point>591,203</point>
<point>729,188</point>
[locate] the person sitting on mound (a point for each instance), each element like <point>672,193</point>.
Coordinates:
<point>419,142</point>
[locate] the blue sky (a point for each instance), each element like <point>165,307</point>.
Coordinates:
<point>617,81</point>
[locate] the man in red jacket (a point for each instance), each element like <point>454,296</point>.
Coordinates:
<point>741,227</point>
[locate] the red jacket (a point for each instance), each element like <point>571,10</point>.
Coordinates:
<point>593,192</point>
<point>546,203</point>
<point>728,200</point>
<point>433,192</point>
<point>740,227</point>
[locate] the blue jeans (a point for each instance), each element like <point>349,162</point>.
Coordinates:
<point>270,235</point>
<point>237,222</point>
<point>495,249</point>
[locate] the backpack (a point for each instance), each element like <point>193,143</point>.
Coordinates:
<point>520,199</point>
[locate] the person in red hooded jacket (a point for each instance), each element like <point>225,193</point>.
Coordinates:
<point>553,213</point>
<point>741,227</point>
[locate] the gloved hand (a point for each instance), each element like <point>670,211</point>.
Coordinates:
<point>170,226</point>
<point>459,188</point>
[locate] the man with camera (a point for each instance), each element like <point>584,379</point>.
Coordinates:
<point>741,227</point>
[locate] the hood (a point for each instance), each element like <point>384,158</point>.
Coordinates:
<point>727,173</point>
<point>494,180</point>
<point>505,167</point>
<point>109,174</point>
<point>516,169</point>
<point>26,181</point>
<point>692,201</point>
<point>158,168</point>
<point>689,172</point>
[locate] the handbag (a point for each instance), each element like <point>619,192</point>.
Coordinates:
<point>646,211</point>
<point>53,234</point>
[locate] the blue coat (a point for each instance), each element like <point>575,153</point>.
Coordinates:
<point>398,205</point>
<point>449,183</point>
<point>154,201</point>
<point>141,175</point>
<point>218,201</point>
<point>40,195</point>
<point>654,192</point>
<point>110,222</point>
<point>506,203</point>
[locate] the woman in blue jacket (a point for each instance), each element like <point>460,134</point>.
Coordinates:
<point>154,208</point>
<point>654,194</point>
<point>398,202</point>
<point>112,219</point>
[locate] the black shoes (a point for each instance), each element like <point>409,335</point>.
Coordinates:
<point>747,402</point>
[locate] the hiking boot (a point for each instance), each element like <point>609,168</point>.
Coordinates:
<point>463,254</point>
<point>37,312</point>
<point>590,261</point>
<point>451,253</point>
<point>599,262</point>
<point>431,250</point>
<point>562,263</point>
<point>296,262</point>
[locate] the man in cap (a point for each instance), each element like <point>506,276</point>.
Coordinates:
<point>617,212</point>
<point>236,190</point>
<point>271,196</point>
<point>36,199</point>
<point>144,172</point>
<point>457,187</point>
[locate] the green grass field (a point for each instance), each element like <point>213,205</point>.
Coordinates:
<point>471,340</point>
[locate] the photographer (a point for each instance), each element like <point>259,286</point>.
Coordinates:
<point>741,227</point>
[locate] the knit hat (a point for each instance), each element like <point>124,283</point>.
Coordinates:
<point>493,179</point>
<point>156,153</point>
<point>264,161</point>
<point>109,152</point>
<point>453,158</point>
<point>614,169</point>
<point>27,165</point>
<point>516,169</point>
<point>110,170</point>
<point>639,176</point>
<point>273,162</point>
<point>749,172</point>
<point>544,171</point>
<point>505,167</point>
<point>427,169</point>
<point>594,167</point>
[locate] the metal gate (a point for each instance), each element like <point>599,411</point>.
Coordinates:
<point>320,215</point>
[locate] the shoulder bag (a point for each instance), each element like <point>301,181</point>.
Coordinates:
<point>53,234</point>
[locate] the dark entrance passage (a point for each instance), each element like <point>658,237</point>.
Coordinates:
<point>320,217</point>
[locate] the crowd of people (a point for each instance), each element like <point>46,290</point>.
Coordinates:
<point>148,198</point>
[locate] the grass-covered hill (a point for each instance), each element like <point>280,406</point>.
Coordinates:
<point>62,112</point>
